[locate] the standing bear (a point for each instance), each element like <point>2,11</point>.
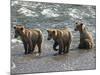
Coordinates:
<point>62,38</point>
<point>86,39</point>
<point>29,37</point>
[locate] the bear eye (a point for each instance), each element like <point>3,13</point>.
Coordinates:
<point>76,23</point>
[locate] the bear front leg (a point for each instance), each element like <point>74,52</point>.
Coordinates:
<point>55,45</point>
<point>25,47</point>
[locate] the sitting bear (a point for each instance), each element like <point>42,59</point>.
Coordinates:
<point>86,39</point>
<point>62,38</point>
<point>29,37</point>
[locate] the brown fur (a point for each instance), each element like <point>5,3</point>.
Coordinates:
<point>30,38</point>
<point>62,38</point>
<point>86,39</point>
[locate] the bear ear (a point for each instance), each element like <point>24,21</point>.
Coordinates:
<point>22,27</point>
<point>14,27</point>
<point>53,32</point>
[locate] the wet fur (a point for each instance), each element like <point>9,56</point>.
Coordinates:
<point>62,38</point>
<point>30,38</point>
<point>86,39</point>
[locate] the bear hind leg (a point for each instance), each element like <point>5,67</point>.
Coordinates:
<point>32,50</point>
<point>39,48</point>
<point>88,44</point>
<point>85,45</point>
<point>66,50</point>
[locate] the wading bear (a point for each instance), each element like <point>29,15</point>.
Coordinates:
<point>62,38</point>
<point>29,37</point>
<point>86,39</point>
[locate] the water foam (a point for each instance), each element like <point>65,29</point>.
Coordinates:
<point>14,3</point>
<point>16,41</point>
<point>49,13</point>
<point>27,12</point>
<point>13,65</point>
<point>75,13</point>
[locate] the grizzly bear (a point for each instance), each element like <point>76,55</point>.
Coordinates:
<point>29,37</point>
<point>62,38</point>
<point>86,39</point>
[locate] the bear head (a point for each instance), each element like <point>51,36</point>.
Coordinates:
<point>52,33</point>
<point>18,30</point>
<point>79,26</point>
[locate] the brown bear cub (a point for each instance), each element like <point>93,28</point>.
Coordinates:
<point>29,37</point>
<point>62,38</point>
<point>86,39</point>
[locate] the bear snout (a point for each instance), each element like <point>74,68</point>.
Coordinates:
<point>48,38</point>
